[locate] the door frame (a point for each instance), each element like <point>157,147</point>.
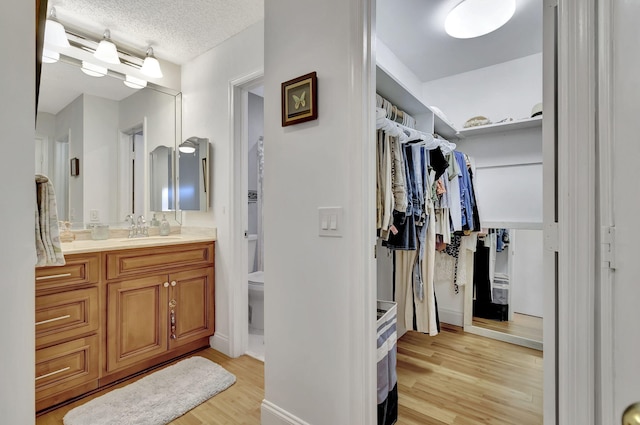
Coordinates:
<point>238,209</point>
<point>571,231</point>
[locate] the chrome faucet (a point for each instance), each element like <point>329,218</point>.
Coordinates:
<point>132,225</point>
<point>141,228</point>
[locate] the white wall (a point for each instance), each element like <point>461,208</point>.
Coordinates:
<point>17,254</point>
<point>99,166</point>
<point>205,96</point>
<point>70,126</point>
<point>505,90</point>
<point>312,284</point>
<point>527,280</point>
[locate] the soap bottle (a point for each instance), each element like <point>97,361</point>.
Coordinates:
<point>165,229</point>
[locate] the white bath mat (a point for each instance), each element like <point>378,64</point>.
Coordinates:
<point>156,399</point>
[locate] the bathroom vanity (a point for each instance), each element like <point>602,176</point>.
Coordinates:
<point>119,307</point>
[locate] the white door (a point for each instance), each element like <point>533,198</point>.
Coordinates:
<point>625,201</point>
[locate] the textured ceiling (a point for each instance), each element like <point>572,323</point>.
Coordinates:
<point>178,30</point>
<point>414,31</point>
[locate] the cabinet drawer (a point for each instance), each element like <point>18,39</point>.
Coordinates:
<point>66,315</point>
<point>66,365</point>
<point>79,269</point>
<point>144,260</point>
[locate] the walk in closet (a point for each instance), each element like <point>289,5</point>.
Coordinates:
<point>481,98</point>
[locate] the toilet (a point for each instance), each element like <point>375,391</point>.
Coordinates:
<point>256,291</point>
<point>256,302</point>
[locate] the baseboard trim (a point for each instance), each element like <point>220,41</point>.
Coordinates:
<point>451,317</point>
<point>274,415</point>
<point>220,343</point>
<point>512,339</point>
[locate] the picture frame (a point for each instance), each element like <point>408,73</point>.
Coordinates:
<point>74,166</point>
<point>300,99</point>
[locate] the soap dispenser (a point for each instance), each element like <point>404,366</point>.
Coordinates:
<point>154,221</point>
<point>165,229</point>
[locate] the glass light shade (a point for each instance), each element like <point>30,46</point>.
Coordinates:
<point>55,34</point>
<point>49,56</point>
<point>151,66</point>
<point>474,18</point>
<point>187,147</point>
<point>134,83</point>
<point>107,51</point>
<point>93,70</point>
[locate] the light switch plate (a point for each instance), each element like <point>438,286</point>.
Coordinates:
<point>330,221</point>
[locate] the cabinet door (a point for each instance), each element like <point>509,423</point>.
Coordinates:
<point>136,320</point>
<point>192,318</point>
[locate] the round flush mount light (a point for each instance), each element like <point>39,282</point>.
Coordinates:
<point>187,146</point>
<point>474,18</point>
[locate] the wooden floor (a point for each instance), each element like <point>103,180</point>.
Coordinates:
<point>453,378</point>
<point>240,404</point>
<point>522,325</point>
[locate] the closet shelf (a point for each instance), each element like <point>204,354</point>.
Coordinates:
<point>501,127</point>
<point>392,90</point>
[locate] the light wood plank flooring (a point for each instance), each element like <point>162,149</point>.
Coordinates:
<point>522,325</point>
<point>239,404</point>
<point>453,378</point>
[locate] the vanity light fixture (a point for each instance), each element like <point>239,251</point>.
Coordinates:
<point>187,146</point>
<point>93,70</point>
<point>107,51</point>
<point>49,56</point>
<point>54,33</point>
<point>134,83</point>
<point>474,18</point>
<point>151,66</point>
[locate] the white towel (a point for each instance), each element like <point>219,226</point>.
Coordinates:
<point>48,249</point>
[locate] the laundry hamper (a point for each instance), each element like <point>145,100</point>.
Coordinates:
<point>387,377</point>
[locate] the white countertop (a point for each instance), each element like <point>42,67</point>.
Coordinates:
<point>82,246</point>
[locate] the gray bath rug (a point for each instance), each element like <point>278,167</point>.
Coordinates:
<point>156,399</point>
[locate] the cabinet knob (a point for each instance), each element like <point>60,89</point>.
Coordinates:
<point>173,283</point>
<point>166,284</point>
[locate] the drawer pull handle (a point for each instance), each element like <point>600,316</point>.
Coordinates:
<point>55,319</point>
<point>166,284</point>
<point>173,283</point>
<point>46,375</point>
<point>53,276</point>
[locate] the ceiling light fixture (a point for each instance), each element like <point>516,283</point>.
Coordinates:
<point>151,66</point>
<point>93,70</point>
<point>188,146</point>
<point>474,18</point>
<point>54,33</point>
<point>134,83</point>
<point>107,51</point>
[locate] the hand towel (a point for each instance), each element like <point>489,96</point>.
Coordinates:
<point>48,248</point>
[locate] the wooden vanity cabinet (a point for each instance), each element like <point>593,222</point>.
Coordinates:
<point>67,329</point>
<point>152,316</point>
<point>105,316</point>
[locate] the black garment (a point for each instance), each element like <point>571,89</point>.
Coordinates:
<point>438,162</point>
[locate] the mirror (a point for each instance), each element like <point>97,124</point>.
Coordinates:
<point>193,174</point>
<point>124,140</point>
<point>508,282</point>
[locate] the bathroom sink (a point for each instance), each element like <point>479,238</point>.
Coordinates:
<point>151,238</point>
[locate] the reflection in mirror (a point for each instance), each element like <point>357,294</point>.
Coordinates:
<point>112,129</point>
<point>193,174</point>
<point>161,180</point>
<point>508,282</point>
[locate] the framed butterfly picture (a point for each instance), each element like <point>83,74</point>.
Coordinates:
<point>300,99</point>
